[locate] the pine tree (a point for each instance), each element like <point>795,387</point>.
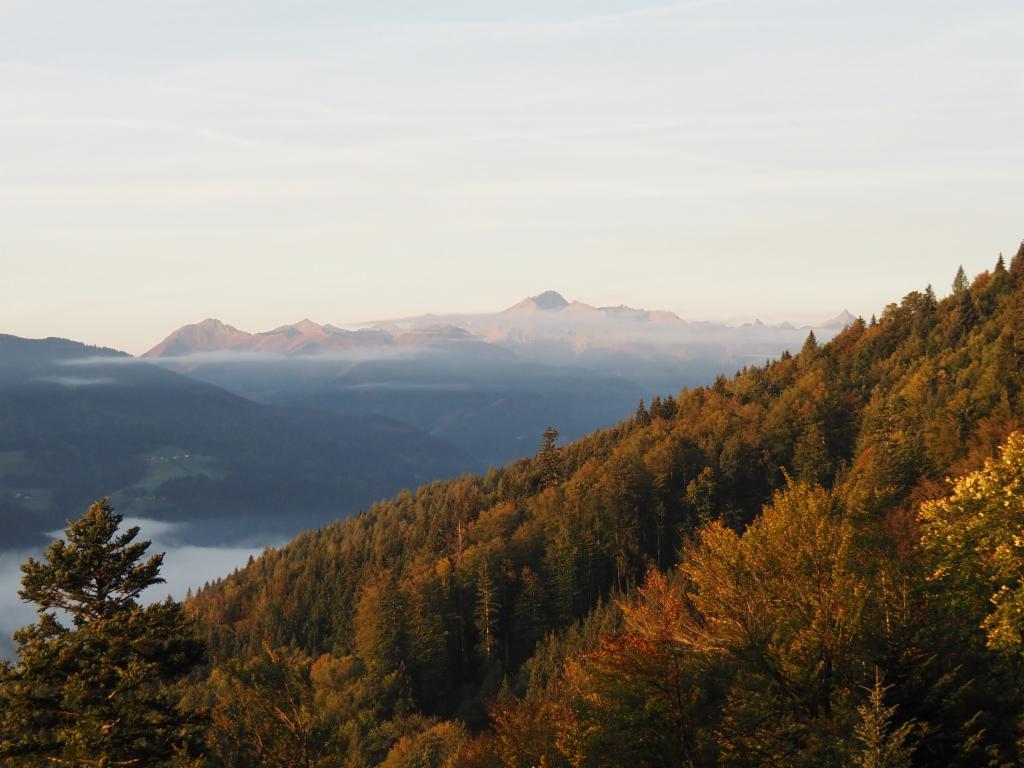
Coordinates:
<point>669,407</point>
<point>549,458</point>
<point>881,745</point>
<point>808,352</point>
<point>488,606</point>
<point>1000,265</point>
<point>810,345</point>
<point>643,416</point>
<point>959,282</point>
<point>966,314</point>
<point>98,692</point>
<point>1017,262</point>
<point>655,409</point>
<point>929,298</point>
<point>530,615</point>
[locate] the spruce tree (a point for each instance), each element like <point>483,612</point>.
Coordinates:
<point>959,282</point>
<point>550,459</point>
<point>488,607</point>
<point>98,689</point>
<point>1017,262</point>
<point>882,743</point>
<point>966,315</point>
<point>643,416</point>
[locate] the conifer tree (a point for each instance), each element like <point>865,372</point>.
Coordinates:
<point>98,692</point>
<point>881,744</point>
<point>549,458</point>
<point>959,282</point>
<point>488,606</point>
<point>810,345</point>
<point>530,613</point>
<point>929,297</point>
<point>1017,262</point>
<point>966,314</point>
<point>643,416</point>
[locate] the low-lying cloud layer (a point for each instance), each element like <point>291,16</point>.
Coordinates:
<point>186,566</point>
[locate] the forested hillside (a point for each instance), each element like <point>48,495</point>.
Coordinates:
<point>537,616</point>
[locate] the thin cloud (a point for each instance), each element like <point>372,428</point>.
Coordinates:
<point>74,382</point>
<point>580,24</point>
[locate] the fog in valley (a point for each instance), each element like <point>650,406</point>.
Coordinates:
<point>186,566</point>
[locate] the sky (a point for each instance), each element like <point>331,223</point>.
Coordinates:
<point>163,161</point>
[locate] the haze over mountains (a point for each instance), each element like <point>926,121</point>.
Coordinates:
<point>489,383</point>
<point>536,326</point>
<point>79,422</point>
<point>268,433</point>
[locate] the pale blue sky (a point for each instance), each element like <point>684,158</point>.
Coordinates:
<point>162,161</point>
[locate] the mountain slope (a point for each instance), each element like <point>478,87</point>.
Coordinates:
<point>882,414</point>
<point>77,423</point>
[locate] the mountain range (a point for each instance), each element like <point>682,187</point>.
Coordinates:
<point>488,383</point>
<point>537,321</point>
<point>266,433</point>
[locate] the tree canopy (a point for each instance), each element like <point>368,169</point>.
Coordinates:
<point>100,691</point>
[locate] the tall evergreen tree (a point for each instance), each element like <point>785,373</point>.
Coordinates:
<point>960,281</point>
<point>966,314</point>
<point>883,744</point>
<point>550,459</point>
<point>643,416</point>
<point>488,607</point>
<point>810,344</point>
<point>1017,262</point>
<point>99,692</point>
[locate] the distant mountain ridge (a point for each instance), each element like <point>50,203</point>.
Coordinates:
<point>303,337</point>
<point>549,301</point>
<point>490,382</point>
<point>544,318</point>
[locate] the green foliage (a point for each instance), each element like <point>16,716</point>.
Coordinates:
<point>783,606</point>
<point>882,743</point>
<point>549,458</point>
<point>787,494</point>
<point>975,538</point>
<point>960,281</point>
<point>437,747</point>
<point>99,692</point>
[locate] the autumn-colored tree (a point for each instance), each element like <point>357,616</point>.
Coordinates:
<point>264,714</point>
<point>975,537</point>
<point>644,692</point>
<point>783,604</point>
<point>436,747</point>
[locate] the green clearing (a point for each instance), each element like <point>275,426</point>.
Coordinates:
<point>162,466</point>
<point>173,463</point>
